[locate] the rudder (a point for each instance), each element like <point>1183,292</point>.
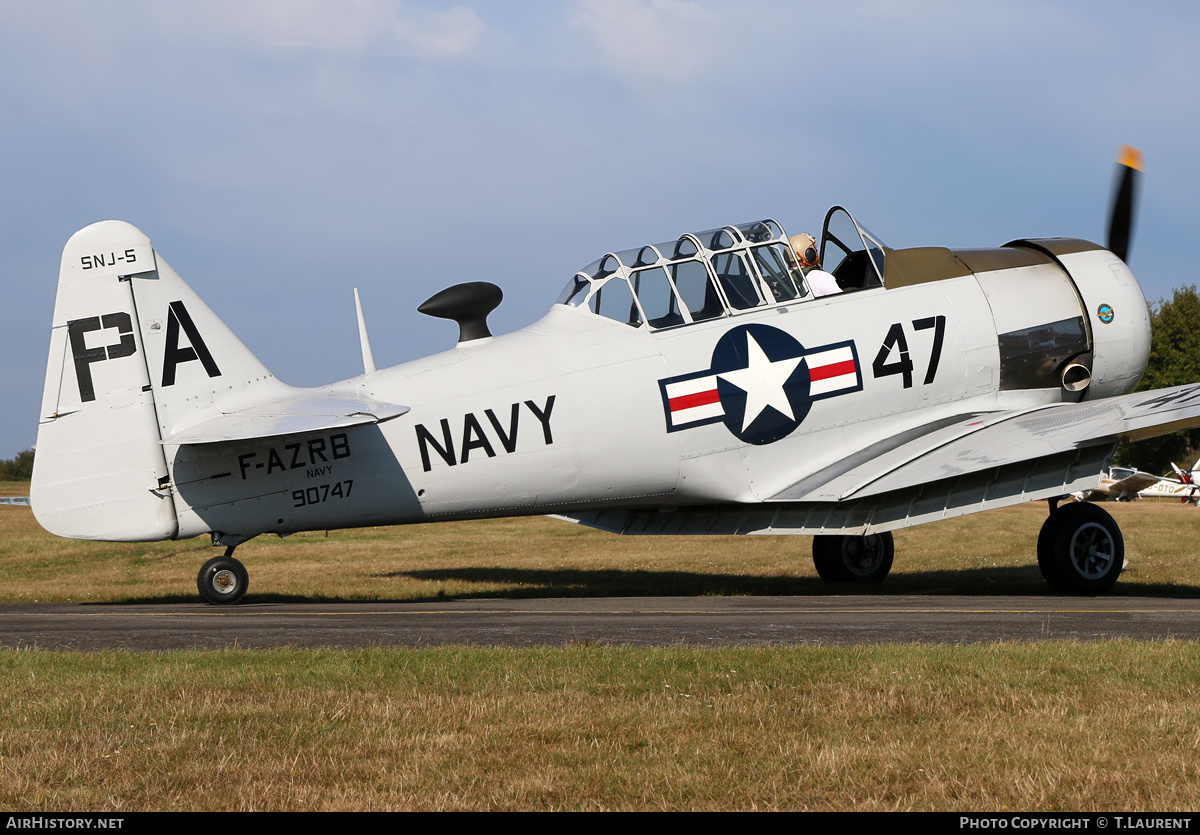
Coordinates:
<point>99,471</point>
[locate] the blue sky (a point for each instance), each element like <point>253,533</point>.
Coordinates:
<point>281,152</point>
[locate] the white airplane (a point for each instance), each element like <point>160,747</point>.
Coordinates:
<point>1122,484</point>
<point>1182,487</point>
<point>695,386</point>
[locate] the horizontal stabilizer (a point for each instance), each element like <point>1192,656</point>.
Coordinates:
<point>303,413</point>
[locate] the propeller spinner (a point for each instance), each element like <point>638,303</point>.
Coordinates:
<point>1120,221</point>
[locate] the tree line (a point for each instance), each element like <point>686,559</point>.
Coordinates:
<point>19,468</point>
<point>1174,361</point>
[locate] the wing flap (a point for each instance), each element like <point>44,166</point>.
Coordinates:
<point>916,504</point>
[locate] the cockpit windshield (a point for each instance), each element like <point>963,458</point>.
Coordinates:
<point>852,254</point>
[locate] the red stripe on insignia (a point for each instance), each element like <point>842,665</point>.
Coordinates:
<point>688,401</point>
<point>837,369</point>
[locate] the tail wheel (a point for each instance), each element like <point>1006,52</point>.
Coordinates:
<point>1080,549</point>
<point>853,559</point>
<point>222,580</point>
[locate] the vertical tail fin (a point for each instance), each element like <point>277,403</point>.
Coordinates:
<point>134,355</point>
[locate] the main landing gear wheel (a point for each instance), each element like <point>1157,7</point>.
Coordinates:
<point>853,559</point>
<point>1080,549</point>
<point>222,580</point>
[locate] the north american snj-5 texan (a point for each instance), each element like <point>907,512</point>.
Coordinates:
<point>713,384</point>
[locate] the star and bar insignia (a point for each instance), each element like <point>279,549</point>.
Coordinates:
<point>762,383</point>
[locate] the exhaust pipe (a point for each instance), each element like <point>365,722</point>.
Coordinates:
<point>1076,377</point>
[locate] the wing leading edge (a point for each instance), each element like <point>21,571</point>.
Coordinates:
<point>986,442</point>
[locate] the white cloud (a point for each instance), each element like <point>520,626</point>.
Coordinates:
<point>355,26</point>
<point>124,34</point>
<point>669,39</point>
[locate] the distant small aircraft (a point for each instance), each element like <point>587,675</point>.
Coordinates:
<point>1124,484</point>
<point>1119,484</point>
<point>1182,487</point>
<point>696,386</point>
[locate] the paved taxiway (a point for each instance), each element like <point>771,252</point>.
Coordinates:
<point>704,621</point>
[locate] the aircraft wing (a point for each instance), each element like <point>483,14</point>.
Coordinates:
<point>956,466</point>
<point>1133,484</point>
<point>308,412</point>
<point>991,441</point>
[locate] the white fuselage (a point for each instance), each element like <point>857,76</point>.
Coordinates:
<point>581,411</point>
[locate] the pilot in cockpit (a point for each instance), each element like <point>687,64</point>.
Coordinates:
<point>819,282</point>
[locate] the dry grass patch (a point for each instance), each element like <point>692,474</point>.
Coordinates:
<point>1049,726</point>
<point>989,553</point>
<point>1038,727</point>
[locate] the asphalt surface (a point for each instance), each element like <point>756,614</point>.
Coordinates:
<point>702,621</point>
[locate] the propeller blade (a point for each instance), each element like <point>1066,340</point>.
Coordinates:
<point>1185,477</point>
<point>1120,219</point>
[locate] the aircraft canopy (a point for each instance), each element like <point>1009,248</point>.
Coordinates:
<point>718,272</point>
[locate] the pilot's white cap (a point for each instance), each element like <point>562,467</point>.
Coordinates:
<point>800,245</point>
<point>801,242</point>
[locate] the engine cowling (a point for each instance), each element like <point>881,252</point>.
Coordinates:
<point>1113,309</point>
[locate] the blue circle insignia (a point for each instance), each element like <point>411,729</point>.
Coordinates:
<point>1105,313</point>
<point>763,383</point>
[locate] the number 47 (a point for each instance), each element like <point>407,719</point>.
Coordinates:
<point>895,341</point>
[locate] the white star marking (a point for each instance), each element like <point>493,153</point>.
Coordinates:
<point>762,380</point>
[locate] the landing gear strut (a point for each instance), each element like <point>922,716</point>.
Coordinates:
<point>853,559</point>
<point>223,580</point>
<point>1080,549</point>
